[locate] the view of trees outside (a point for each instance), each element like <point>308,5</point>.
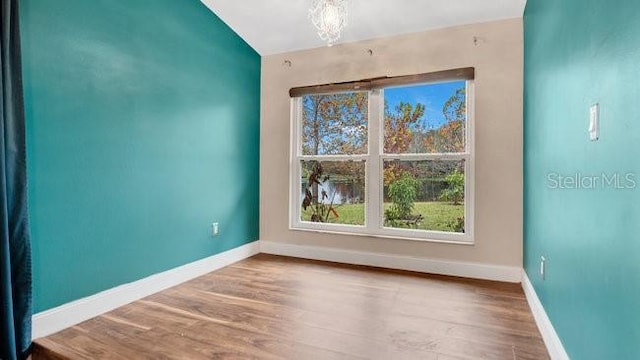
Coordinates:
<point>334,124</point>
<point>420,119</point>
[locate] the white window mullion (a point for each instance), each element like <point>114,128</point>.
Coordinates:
<point>419,157</point>
<point>373,215</point>
<point>333,157</point>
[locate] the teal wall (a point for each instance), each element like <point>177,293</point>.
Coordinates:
<point>577,53</point>
<point>142,129</point>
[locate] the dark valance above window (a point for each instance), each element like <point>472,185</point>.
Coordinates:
<point>383,82</point>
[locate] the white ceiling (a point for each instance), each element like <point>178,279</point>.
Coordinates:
<point>277,26</point>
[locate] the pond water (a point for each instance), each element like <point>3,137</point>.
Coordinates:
<point>342,192</point>
<point>352,192</point>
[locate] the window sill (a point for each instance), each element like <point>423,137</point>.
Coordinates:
<point>385,236</point>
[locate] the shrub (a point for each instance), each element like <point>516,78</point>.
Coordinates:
<point>455,192</point>
<point>456,225</point>
<point>402,192</point>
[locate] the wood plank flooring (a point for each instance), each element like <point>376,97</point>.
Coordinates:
<point>271,307</point>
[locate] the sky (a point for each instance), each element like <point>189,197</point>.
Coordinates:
<point>433,96</point>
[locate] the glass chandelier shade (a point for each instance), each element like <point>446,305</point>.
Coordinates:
<point>329,17</point>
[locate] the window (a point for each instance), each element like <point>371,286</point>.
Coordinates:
<point>391,160</point>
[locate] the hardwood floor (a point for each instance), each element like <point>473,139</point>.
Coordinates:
<point>271,307</point>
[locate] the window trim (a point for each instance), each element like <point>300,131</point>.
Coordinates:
<point>374,159</point>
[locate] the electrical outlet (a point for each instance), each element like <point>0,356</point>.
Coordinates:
<point>542,266</point>
<point>215,229</point>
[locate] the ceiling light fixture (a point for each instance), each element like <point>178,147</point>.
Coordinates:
<point>329,17</point>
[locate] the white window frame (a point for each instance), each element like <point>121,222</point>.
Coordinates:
<point>374,159</point>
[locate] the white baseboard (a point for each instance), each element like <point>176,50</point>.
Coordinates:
<point>453,268</point>
<point>51,321</point>
<point>549,335</point>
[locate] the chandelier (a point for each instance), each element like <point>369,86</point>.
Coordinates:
<point>329,17</point>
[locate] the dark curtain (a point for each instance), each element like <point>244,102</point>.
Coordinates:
<point>15,249</point>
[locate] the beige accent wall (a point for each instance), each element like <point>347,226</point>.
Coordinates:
<point>495,49</point>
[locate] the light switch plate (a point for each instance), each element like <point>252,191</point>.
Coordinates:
<point>594,122</point>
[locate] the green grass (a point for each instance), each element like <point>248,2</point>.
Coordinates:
<point>351,214</point>
<point>438,216</point>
